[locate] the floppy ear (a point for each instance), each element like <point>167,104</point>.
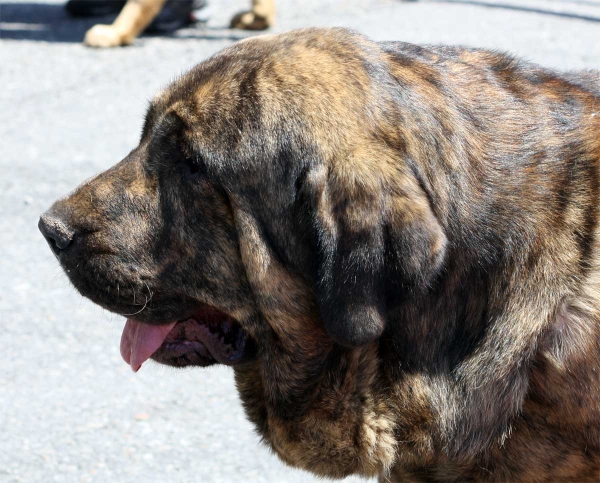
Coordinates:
<point>365,233</point>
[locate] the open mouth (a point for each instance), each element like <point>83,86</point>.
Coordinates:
<point>207,337</point>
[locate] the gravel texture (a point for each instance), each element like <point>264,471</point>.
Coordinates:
<point>70,409</point>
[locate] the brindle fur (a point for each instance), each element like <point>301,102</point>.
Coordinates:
<point>409,234</point>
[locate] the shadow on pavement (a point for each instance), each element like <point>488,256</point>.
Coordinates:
<point>43,22</point>
<point>51,23</point>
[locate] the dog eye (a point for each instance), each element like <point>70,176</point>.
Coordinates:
<point>195,167</point>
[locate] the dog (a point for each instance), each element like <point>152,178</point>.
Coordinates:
<point>136,15</point>
<point>395,247</point>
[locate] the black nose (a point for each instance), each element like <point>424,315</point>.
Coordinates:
<point>57,233</point>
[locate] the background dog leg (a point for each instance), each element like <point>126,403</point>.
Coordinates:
<point>133,19</point>
<point>261,17</point>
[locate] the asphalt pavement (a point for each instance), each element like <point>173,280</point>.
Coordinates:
<point>70,409</point>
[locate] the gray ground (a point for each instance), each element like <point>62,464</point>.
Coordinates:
<point>70,409</point>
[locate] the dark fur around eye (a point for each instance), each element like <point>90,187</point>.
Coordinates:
<point>194,167</point>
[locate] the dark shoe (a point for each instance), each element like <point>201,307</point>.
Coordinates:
<point>94,8</point>
<point>175,15</point>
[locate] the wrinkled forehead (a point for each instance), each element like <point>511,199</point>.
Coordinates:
<point>309,76</point>
<point>191,95</point>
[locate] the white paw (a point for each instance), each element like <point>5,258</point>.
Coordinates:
<point>103,36</point>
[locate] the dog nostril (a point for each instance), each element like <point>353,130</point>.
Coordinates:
<point>56,232</point>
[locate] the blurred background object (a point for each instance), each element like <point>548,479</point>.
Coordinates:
<point>174,15</point>
<point>70,408</point>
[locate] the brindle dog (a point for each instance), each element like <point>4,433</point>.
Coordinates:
<point>396,247</point>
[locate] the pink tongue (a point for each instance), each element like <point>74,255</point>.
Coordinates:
<point>139,341</point>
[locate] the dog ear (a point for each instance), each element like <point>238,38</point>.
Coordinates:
<point>365,234</point>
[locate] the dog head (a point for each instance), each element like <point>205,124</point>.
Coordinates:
<point>269,219</point>
<point>276,133</point>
